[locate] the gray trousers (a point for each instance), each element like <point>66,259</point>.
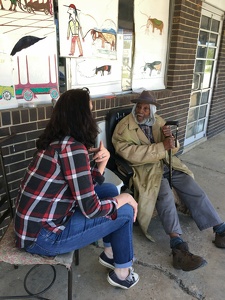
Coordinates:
<point>191,194</point>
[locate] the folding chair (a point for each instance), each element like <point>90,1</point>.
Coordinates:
<point>14,256</point>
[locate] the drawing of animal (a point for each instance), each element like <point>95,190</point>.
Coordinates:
<point>155,23</point>
<point>105,37</point>
<point>155,65</point>
<point>102,69</point>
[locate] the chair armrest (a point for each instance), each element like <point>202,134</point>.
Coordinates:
<point>123,166</point>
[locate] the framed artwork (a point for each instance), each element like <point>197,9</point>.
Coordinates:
<point>28,46</point>
<point>151,37</point>
<point>89,40</point>
<point>86,30</point>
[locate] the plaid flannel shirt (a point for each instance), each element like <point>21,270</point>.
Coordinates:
<point>58,180</point>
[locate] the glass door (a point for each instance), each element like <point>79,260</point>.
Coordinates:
<point>204,73</point>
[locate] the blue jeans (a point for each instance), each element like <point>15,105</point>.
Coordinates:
<point>80,232</point>
<point>106,190</point>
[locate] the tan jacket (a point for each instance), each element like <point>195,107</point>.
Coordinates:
<point>147,161</point>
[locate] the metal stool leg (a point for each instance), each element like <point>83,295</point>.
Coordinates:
<point>70,287</point>
<point>76,257</point>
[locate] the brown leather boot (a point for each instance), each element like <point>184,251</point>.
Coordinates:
<point>220,240</point>
<point>186,261</point>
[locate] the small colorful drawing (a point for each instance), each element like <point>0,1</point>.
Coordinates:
<point>7,92</point>
<point>102,69</point>
<point>7,89</point>
<point>155,23</point>
<point>88,32</point>
<point>43,6</point>
<point>74,30</point>
<point>105,37</point>
<point>155,65</point>
<point>29,91</point>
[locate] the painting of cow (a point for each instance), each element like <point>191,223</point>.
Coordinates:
<point>102,69</point>
<point>155,23</point>
<point>155,65</point>
<point>105,37</point>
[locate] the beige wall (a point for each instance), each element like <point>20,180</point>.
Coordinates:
<point>218,3</point>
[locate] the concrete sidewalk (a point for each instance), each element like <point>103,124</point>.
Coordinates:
<point>158,279</point>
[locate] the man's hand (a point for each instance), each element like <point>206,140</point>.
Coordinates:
<point>167,131</point>
<point>169,143</point>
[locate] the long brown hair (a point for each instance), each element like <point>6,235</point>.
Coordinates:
<point>71,116</point>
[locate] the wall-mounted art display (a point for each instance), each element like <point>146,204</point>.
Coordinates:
<point>151,38</point>
<point>28,42</point>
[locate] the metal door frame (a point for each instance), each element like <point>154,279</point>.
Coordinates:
<point>209,11</point>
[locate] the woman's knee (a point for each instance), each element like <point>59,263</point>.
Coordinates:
<point>112,189</point>
<point>126,211</point>
<point>106,189</point>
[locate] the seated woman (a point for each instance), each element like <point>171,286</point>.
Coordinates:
<point>58,209</point>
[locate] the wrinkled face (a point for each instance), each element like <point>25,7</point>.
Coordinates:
<point>142,112</point>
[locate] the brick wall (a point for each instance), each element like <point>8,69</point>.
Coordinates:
<point>26,124</point>
<point>184,38</point>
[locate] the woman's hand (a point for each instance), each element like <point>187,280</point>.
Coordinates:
<point>100,153</point>
<point>126,198</point>
<point>101,156</point>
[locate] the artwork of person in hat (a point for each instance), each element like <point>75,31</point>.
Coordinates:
<point>74,30</point>
<point>143,139</point>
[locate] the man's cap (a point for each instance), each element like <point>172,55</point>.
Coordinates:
<point>72,6</point>
<point>146,97</point>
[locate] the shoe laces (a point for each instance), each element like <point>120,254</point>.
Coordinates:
<point>187,253</point>
<point>131,269</point>
<point>130,277</point>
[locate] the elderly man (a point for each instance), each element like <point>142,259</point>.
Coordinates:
<point>143,139</point>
